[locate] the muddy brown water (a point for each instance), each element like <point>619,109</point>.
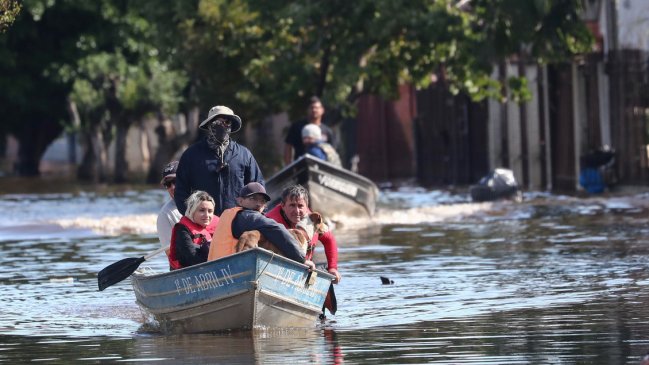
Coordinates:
<point>553,280</point>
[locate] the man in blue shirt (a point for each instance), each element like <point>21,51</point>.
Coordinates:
<point>216,164</point>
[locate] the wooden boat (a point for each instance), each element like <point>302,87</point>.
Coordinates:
<point>332,189</point>
<point>250,289</point>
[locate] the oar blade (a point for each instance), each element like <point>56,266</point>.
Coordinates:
<point>118,271</point>
<point>331,302</point>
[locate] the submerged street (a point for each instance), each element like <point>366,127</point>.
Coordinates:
<point>554,279</point>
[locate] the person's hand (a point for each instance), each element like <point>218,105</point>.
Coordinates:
<point>335,273</point>
<point>310,264</point>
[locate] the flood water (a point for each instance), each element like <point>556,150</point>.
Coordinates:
<point>552,280</point>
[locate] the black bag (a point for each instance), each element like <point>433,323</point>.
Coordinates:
<point>498,184</point>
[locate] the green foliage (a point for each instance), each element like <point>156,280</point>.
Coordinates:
<point>121,59</point>
<point>9,9</point>
<point>124,69</point>
<point>100,54</point>
<point>42,40</point>
<point>549,30</point>
<point>266,57</point>
<point>340,50</point>
<point>519,90</point>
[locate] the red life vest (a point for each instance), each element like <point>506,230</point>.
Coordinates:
<point>200,236</point>
<point>277,215</point>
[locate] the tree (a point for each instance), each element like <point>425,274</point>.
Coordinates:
<point>115,89</point>
<point>212,41</point>
<point>262,57</point>
<point>32,99</point>
<point>9,9</point>
<point>267,57</point>
<point>340,50</point>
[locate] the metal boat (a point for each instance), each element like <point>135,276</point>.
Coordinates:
<point>332,189</point>
<point>251,289</point>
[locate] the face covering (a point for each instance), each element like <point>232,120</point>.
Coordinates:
<point>218,138</point>
<point>219,132</point>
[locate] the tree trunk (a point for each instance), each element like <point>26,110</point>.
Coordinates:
<point>523,126</point>
<point>28,159</point>
<point>33,141</point>
<point>101,141</point>
<point>72,136</point>
<point>504,120</point>
<point>95,157</point>
<point>324,71</point>
<point>170,140</point>
<point>145,147</point>
<point>86,170</point>
<point>121,164</point>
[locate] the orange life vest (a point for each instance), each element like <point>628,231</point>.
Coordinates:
<point>224,242</point>
<point>200,236</point>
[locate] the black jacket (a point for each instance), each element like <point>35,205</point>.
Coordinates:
<point>200,169</point>
<point>188,253</point>
<point>250,220</point>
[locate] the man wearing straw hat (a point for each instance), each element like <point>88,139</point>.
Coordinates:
<point>216,164</point>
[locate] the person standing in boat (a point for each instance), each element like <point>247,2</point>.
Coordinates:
<point>216,164</point>
<point>293,208</point>
<point>247,216</point>
<point>190,237</point>
<point>313,145</point>
<point>168,215</point>
<point>293,147</point>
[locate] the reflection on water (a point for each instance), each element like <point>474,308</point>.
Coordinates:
<point>552,280</point>
<point>303,346</point>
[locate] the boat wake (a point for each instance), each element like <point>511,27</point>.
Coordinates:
<point>419,207</point>
<point>113,225</point>
<point>417,215</point>
<point>67,216</point>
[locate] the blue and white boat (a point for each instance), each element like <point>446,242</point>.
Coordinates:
<point>250,289</point>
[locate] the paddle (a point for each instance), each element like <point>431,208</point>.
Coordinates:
<point>331,302</point>
<point>120,270</point>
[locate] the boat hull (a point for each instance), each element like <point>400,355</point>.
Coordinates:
<point>332,190</point>
<point>251,289</point>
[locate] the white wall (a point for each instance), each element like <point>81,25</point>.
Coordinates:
<point>514,145</point>
<point>633,24</point>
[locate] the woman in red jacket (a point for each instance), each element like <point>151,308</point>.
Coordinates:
<point>191,236</point>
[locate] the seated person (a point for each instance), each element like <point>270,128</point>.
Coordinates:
<point>190,237</point>
<point>313,145</point>
<point>169,215</point>
<point>247,216</point>
<point>293,208</point>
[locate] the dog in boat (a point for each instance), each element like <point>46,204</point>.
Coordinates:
<point>303,232</point>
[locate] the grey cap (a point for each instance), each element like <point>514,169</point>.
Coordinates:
<point>169,171</point>
<point>222,111</point>
<point>253,188</point>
